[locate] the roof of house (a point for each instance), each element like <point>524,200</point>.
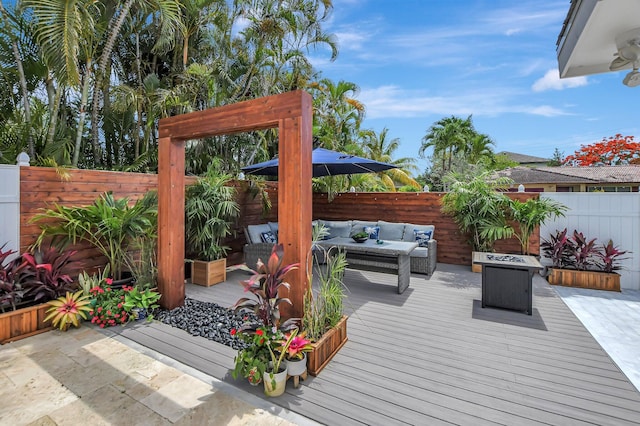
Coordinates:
<point>523,158</point>
<point>600,174</point>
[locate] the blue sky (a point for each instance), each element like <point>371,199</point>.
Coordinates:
<point>417,61</point>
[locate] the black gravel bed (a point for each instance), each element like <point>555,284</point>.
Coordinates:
<point>205,319</point>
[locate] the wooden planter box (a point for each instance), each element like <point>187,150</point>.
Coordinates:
<point>585,279</point>
<point>24,322</point>
<point>325,348</point>
<point>208,273</point>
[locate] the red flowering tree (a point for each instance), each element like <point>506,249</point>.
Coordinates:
<point>612,151</point>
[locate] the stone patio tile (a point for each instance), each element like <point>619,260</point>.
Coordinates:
<point>84,380</point>
<point>97,351</point>
<point>176,398</point>
<point>223,409</point>
<point>141,383</point>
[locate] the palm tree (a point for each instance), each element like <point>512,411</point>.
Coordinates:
<point>447,137</point>
<point>378,147</point>
<point>479,149</point>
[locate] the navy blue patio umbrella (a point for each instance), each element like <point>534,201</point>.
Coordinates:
<point>325,163</point>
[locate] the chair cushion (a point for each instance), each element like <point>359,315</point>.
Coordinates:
<point>410,236</point>
<point>274,227</point>
<point>268,237</point>
<point>337,228</point>
<point>391,231</point>
<point>255,232</point>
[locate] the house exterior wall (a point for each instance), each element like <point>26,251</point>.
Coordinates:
<point>604,216</point>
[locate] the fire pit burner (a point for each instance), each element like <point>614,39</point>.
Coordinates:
<point>505,258</point>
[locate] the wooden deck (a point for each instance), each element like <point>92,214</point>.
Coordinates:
<point>433,356</point>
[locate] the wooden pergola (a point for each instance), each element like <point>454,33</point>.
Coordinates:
<point>292,114</point>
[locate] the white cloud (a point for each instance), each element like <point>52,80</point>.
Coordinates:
<point>552,81</point>
<point>394,102</point>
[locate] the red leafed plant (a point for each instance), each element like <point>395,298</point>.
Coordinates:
<point>612,151</point>
<point>609,255</point>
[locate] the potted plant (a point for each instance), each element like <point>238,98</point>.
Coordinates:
<point>68,309</point>
<point>210,209</point>
<point>25,283</point>
<point>263,325</point>
<point>109,225</point>
<point>479,209</point>
<point>251,361</point>
<point>324,322</point>
<point>530,214</point>
<point>579,262</point>
<point>296,357</point>
<point>275,378</point>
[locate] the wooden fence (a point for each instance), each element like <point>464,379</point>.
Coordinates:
<point>413,207</point>
<point>42,187</point>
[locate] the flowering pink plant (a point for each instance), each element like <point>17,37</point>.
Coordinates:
<point>298,346</point>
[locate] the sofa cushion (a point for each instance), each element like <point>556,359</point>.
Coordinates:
<point>373,231</point>
<point>419,252</point>
<point>360,225</point>
<point>274,227</point>
<point>268,237</point>
<point>422,237</point>
<point>410,236</point>
<point>337,228</point>
<point>255,232</point>
<point>391,231</point>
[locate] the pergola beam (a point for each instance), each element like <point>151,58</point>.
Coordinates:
<point>292,114</point>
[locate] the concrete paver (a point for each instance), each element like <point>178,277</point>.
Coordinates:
<point>613,319</point>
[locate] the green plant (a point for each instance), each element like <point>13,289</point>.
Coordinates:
<point>108,224</point>
<point>530,214</point>
<point>87,282</point>
<point>323,310</point>
<point>147,299</point>
<point>108,305</point>
<point>479,209</point>
<point>68,309</point>
<point>210,210</point>
<point>251,362</point>
<point>360,234</point>
<point>141,258</point>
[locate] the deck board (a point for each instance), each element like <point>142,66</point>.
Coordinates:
<point>432,355</point>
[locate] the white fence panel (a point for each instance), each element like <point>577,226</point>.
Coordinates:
<point>604,216</point>
<point>10,207</point>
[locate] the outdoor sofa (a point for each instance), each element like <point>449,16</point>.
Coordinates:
<point>261,238</point>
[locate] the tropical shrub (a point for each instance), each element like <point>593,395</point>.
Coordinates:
<point>581,253</point>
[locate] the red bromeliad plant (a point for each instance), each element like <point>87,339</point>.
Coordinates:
<point>298,346</point>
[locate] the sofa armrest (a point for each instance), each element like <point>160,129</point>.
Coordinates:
<point>432,256</point>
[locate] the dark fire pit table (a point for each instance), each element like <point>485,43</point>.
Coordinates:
<point>507,280</point>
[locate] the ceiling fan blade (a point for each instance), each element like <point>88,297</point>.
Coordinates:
<point>619,63</point>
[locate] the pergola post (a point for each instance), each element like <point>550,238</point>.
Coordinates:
<point>292,114</point>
